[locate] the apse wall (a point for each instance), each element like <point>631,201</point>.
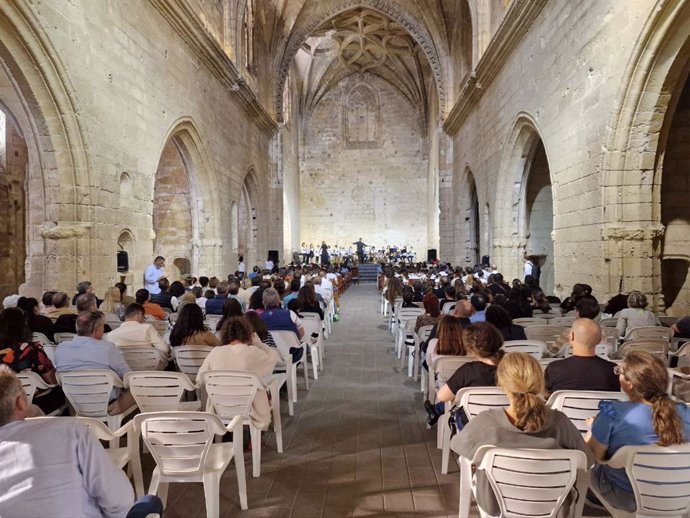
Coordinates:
<point>364,168</point>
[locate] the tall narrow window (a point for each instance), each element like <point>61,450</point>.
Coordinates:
<point>361,118</point>
<point>248,36</point>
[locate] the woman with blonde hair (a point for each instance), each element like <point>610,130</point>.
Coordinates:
<point>649,417</point>
<point>112,303</point>
<point>525,423</point>
<point>635,315</point>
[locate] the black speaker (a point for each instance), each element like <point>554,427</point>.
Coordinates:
<point>430,255</point>
<point>122,261</point>
<point>486,260</point>
<point>273,256</point>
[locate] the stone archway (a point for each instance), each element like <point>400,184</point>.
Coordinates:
<point>247,220</point>
<point>470,219</point>
<point>524,205</point>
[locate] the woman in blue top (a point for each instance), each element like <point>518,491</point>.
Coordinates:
<point>650,417</point>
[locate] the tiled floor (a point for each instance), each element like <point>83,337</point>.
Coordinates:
<point>357,445</point>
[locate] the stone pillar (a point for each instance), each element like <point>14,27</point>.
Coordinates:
<point>442,217</point>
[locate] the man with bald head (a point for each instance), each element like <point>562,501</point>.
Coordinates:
<point>584,370</point>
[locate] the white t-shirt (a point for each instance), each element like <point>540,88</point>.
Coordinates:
<point>242,268</point>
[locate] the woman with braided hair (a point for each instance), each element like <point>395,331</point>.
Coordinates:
<point>525,423</point>
<point>649,417</point>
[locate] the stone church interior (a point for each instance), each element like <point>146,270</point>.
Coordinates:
<point>304,258</point>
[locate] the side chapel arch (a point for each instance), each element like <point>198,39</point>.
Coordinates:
<point>248,220</point>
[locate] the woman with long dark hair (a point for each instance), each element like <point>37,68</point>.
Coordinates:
<point>231,308</point>
<point>310,304</point>
<point>190,328</point>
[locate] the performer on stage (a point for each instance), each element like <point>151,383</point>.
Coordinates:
<point>360,249</point>
<point>324,254</point>
<point>152,273</point>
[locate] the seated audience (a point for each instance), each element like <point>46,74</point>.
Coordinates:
<point>478,302</point>
<point>295,285</point>
<point>585,308</point>
<point>525,423</point>
<point>231,308</point>
<point>143,297</point>
<point>37,322</point>
<point>449,297</point>
<point>68,323</point>
<point>616,304</point>
<point>20,353</point>
<point>681,329</point>
<point>499,286</point>
<point>483,343</point>
<point>57,467</point>
<point>540,302</point>
<point>580,291</point>
<point>431,312</point>
<point>261,330</point>
<point>242,353</point>
<point>278,319</point>
<point>176,292</point>
<point>163,298</point>
<point>190,329</point>
<point>215,305</point>
<point>61,306</point>
<point>518,304</point>
<point>10,301</point>
<point>124,298</point>
<point>88,351</point>
<point>310,304</point>
<point>408,298</point>
<point>500,318</point>
<point>47,302</point>
<point>135,332</point>
<point>234,293</point>
<point>584,370</point>
<point>449,341</point>
<point>84,287</point>
<point>635,315</point>
<point>649,417</point>
<point>112,306</point>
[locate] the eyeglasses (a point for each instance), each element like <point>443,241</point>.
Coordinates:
<point>618,371</point>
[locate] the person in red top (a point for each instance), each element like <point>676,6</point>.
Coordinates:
<point>143,297</point>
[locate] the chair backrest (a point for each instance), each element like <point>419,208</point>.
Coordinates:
<point>284,341</point>
<point>113,324</point>
<point>475,400</point>
<point>30,382</point>
<point>610,335</point>
<point>310,316</point>
<point>178,441</point>
<point>579,405</point>
<point>535,348</point>
<point>660,478</point>
<point>230,393</point>
<point>160,325</point>
<point>658,348</point>
<point>448,307</point>
<point>562,321</point>
<point>64,337</point>
<point>88,391</point>
<point>666,320</point>
<point>446,365</point>
<point>40,338</point>
<point>602,350</point>
<point>157,391</point>
<point>409,313</point>
<point>532,483</point>
<point>142,358</point>
<point>311,326</point>
<point>548,333</point>
<point>528,321</point>
<point>424,332</point>
<point>608,322</point>
<point>190,357</point>
<point>650,333</point>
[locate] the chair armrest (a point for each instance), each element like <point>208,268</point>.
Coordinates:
<point>124,429</point>
<point>235,425</point>
<point>675,373</point>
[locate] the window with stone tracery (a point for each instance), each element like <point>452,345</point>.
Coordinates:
<point>361,118</point>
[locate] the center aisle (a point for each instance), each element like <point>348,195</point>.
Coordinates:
<point>358,443</point>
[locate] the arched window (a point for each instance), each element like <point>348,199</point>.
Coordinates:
<point>125,190</point>
<point>248,36</point>
<point>361,118</point>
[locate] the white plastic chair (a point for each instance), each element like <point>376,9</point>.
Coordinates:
<point>31,382</point>
<point>674,374</point>
<point>414,353</point>
<point>143,358</point>
<point>660,478</point>
<point>525,482</point>
<point>121,456</point>
<point>313,326</point>
<point>181,443</point>
<point>547,333</point>
<point>160,325</point>
<point>230,394</point>
<point>473,400</point>
<point>448,307</point>
<point>529,321</point>
<point>40,338</point>
<point>113,324</point>
<point>64,337</point>
<point>608,322</point>
<point>580,405</point>
<point>404,315</point>
<point>602,350</point>
<point>657,348</point>
<point>159,391</point>
<point>650,333</point>
<point>562,321</point>
<point>666,321</point>
<point>284,341</point>
<point>88,392</point>
<point>189,358</point>
<point>534,348</point>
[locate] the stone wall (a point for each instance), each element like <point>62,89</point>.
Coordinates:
<point>364,169</point>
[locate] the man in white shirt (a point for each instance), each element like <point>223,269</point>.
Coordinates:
<point>135,332</point>
<point>152,273</point>
<point>529,266</point>
<point>56,467</point>
<point>269,265</point>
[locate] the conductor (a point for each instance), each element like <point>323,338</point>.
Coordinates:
<point>360,249</point>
